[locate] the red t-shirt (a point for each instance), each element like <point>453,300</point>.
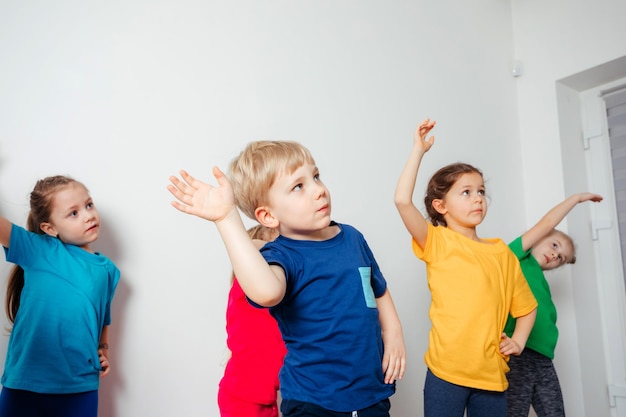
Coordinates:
<point>257,350</point>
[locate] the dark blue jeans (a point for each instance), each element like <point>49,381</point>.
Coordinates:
<point>293,408</point>
<point>443,399</point>
<point>19,403</point>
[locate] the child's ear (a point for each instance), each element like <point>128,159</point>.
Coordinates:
<point>48,229</point>
<point>265,217</point>
<point>439,206</point>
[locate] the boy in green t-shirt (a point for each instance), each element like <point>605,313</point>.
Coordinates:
<point>532,378</point>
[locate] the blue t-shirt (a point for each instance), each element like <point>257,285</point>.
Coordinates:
<point>329,321</point>
<point>65,303</point>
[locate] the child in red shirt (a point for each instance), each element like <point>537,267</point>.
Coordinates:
<point>250,382</point>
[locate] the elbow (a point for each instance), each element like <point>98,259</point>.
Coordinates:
<point>268,298</point>
<point>266,301</point>
<point>401,203</point>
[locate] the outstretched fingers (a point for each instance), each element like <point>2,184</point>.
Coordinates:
<point>201,199</point>
<point>191,183</point>
<point>182,192</point>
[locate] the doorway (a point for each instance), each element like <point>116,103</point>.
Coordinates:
<point>599,289</point>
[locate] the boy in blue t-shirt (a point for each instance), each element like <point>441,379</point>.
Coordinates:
<point>319,279</point>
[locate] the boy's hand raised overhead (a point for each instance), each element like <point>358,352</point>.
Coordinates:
<point>201,199</point>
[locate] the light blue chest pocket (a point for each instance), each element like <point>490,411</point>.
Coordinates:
<point>366,283</point>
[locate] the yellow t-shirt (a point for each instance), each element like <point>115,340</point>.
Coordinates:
<point>474,285</point>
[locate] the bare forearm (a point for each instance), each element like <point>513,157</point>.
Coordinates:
<point>253,273</point>
<point>406,183</point>
<point>558,212</point>
<point>523,326</point>
<point>394,358</point>
<point>104,338</point>
<point>388,316</point>
<point>412,218</point>
<point>5,231</point>
<point>552,219</point>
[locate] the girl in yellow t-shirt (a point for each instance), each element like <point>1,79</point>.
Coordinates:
<point>474,282</point>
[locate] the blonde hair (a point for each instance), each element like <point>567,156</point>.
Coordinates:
<point>255,169</point>
<point>263,233</point>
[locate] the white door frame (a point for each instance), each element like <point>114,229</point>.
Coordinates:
<point>600,294</point>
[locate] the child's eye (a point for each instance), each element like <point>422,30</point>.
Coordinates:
<point>465,192</point>
<point>73,213</point>
<point>89,205</point>
<point>481,192</point>
<point>316,177</point>
<point>298,187</point>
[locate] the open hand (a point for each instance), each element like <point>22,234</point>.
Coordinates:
<point>201,199</point>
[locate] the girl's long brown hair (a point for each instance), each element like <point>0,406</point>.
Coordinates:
<point>41,199</point>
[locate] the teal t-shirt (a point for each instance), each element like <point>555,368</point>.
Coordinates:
<point>544,334</point>
<point>65,303</point>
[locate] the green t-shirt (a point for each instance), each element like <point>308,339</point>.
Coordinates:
<point>544,334</point>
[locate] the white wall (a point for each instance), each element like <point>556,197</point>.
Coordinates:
<point>122,94</point>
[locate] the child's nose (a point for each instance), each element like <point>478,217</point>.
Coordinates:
<point>320,191</point>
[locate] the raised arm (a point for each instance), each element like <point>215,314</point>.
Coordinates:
<point>5,232</point>
<point>553,217</point>
<point>264,285</point>
<point>413,219</point>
